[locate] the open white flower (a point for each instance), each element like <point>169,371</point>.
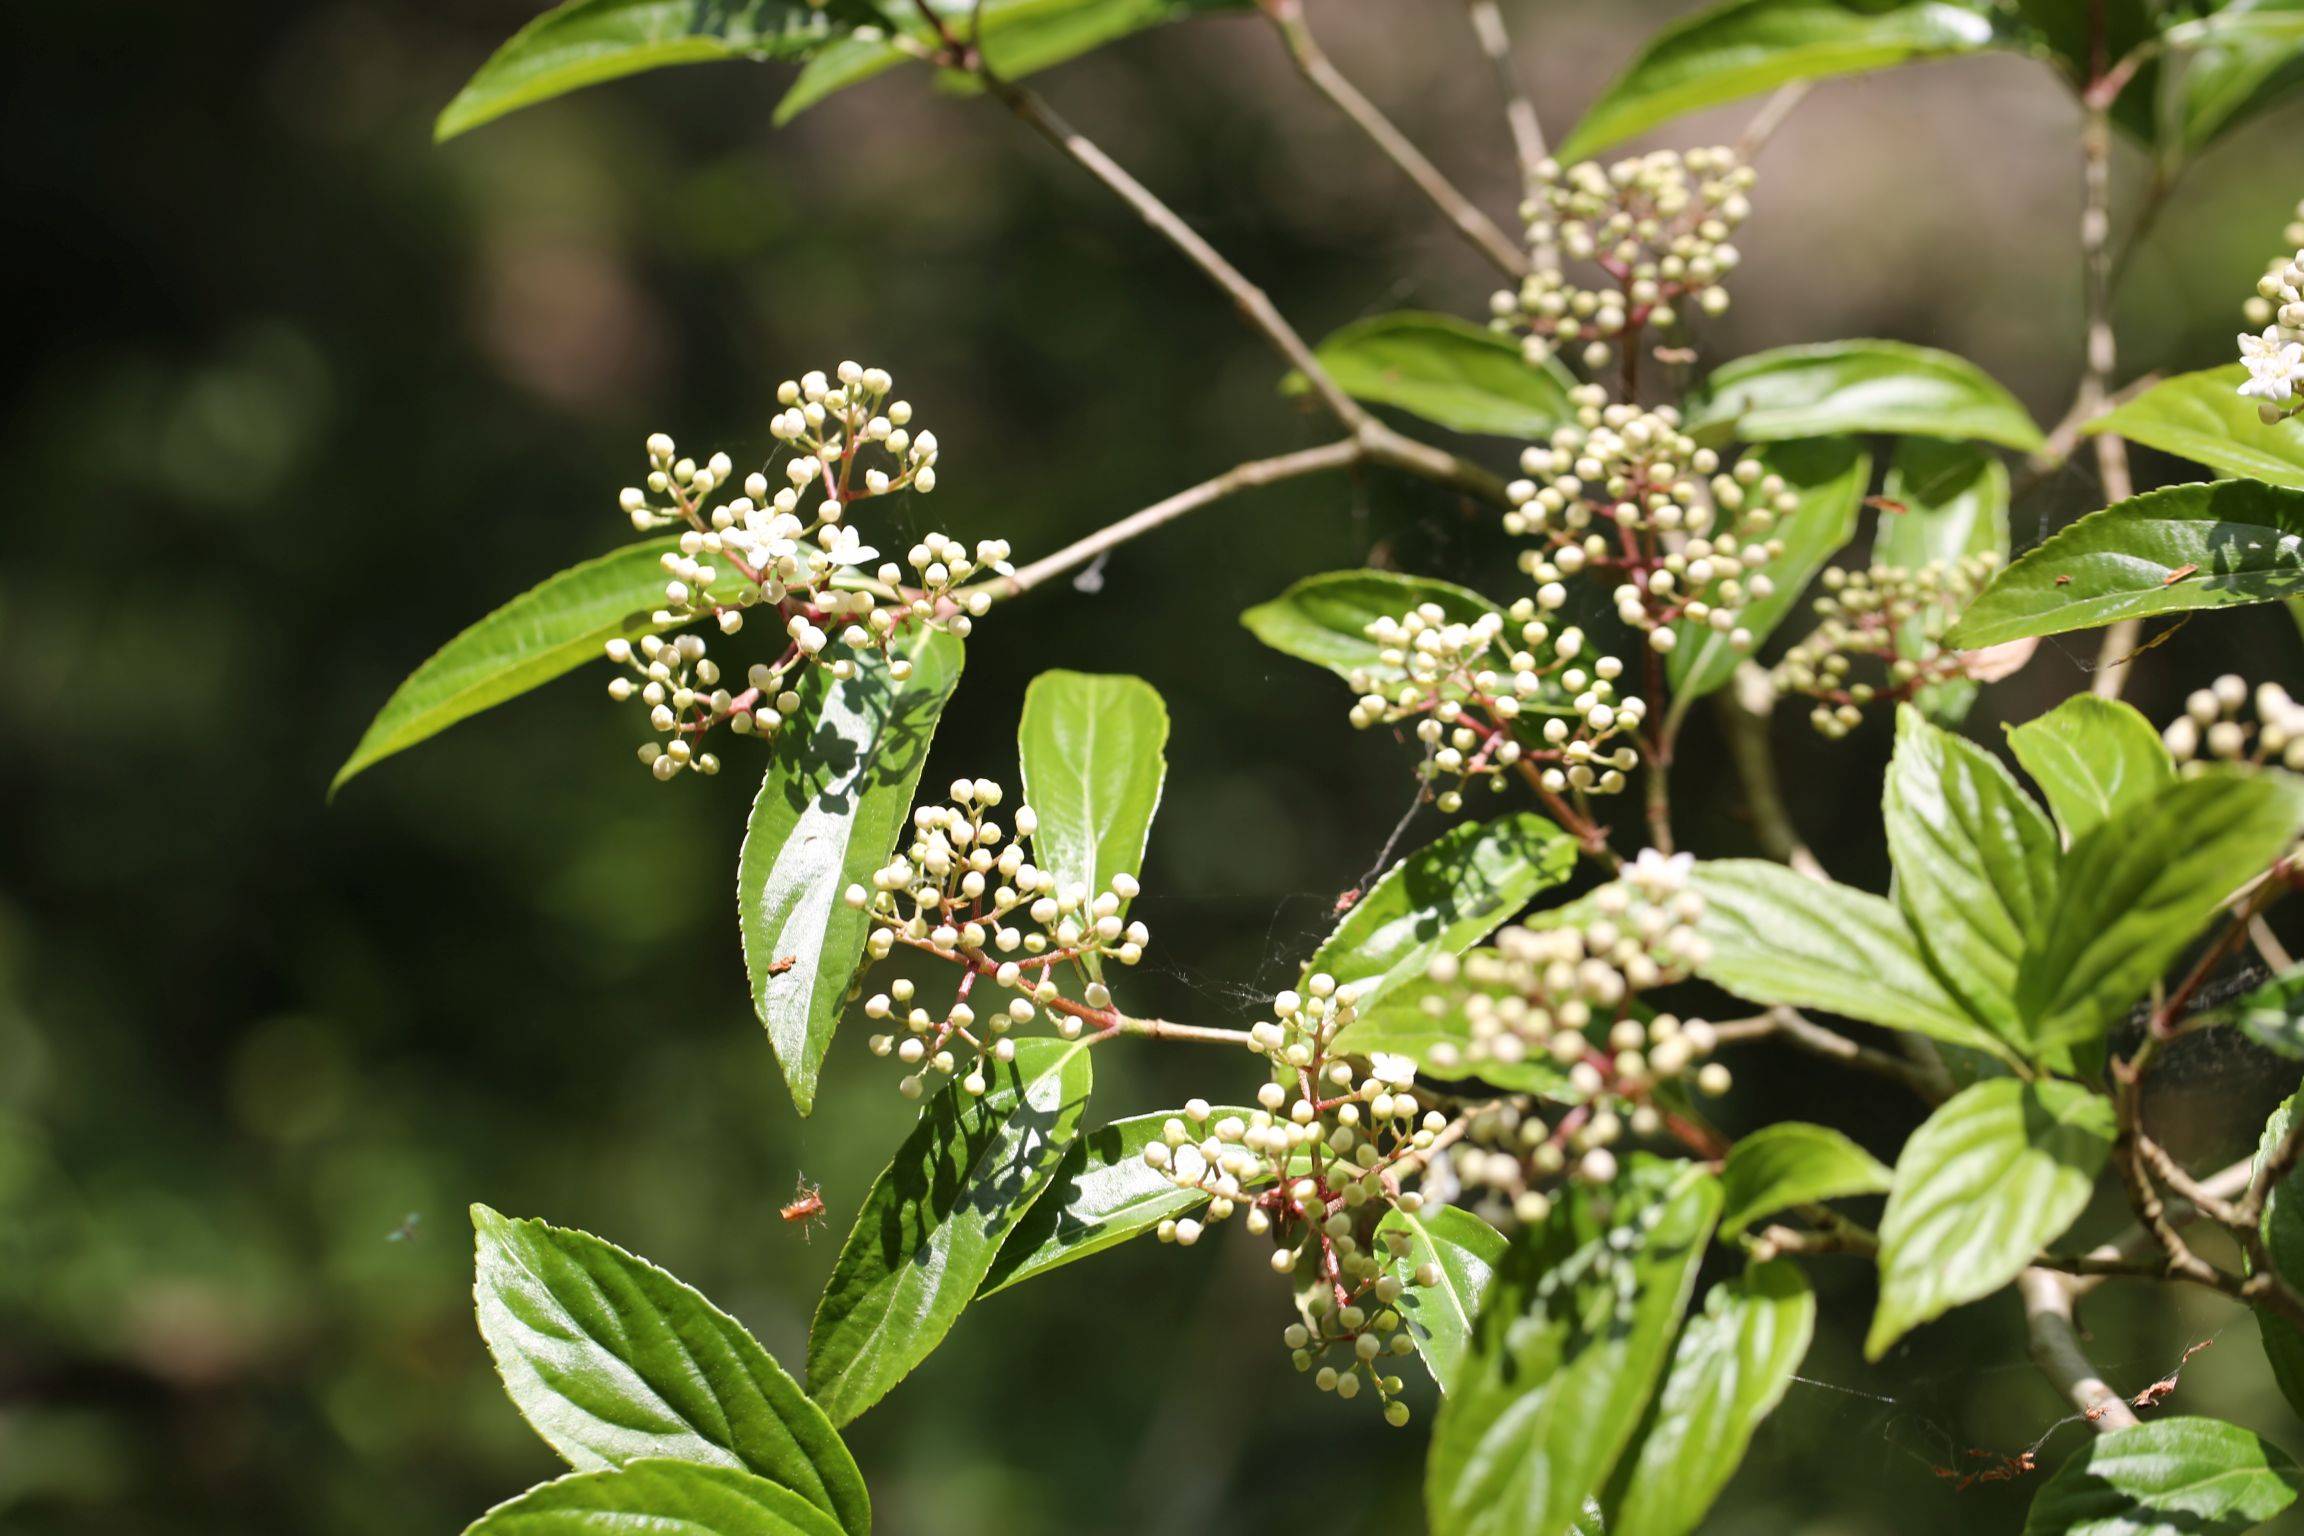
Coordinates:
<point>844,546</point>
<point>2273,363</point>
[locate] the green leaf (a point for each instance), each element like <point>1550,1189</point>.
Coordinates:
<point>1466,1251</point>
<point>2204,418</point>
<point>587,42</point>
<point>2246,62</point>
<point>1093,748</point>
<point>1954,501</point>
<point>1424,1021</point>
<point>1448,371</point>
<point>2174,550</point>
<point>2272,1015</point>
<point>1324,619</point>
<point>1829,475</point>
<point>1018,38</point>
<point>933,1222</point>
<point>2138,888</point>
<point>2078,32</point>
<point>1731,1367</point>
<point>1998,1170</point>
<point>1748,46</point>
<point>1793,1163</point>
<point>1860,386</point>
<point>2282,1230</point>
<point>1781,938</point>
<point>1567,1351</point>
<point>661,1497</point>
<point>2170,1477</point>
<point>1442,899</point>
<point>550,629</point>
<point>1100,1195</point>
<point>1975,865</point>
<point>835,799</point>
<point>613,1361</point>
<point>2094,759</point>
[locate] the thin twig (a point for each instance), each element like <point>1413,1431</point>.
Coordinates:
<point>1313,63</point>
<point>1519,108</point>
<point>1241,477</point>
<point>2119,642</point>
<point>1744,707</point>
<point>1768,119</point>
<point>1794,1028</point>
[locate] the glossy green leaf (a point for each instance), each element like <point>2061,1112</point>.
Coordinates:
<point>835,799</point>
<point>2137,889</point>
<point>1565,1358</point>
<point>1841,387</point>
<point>1976,865</point>
<point>1442,899</point>
<point>1465,1250</point>
<point>1100,1195</point>
<point>1997,1171</point>
<point>2094,759</point>
<point>1830,476</point>
<point>613,1360</point>
<point>1447,371</point>
<point>2203,417</point>
<point>550,629</point>
<point>2282,1229</point>
<point>2169,1477</point>
<point>1324,619</point>
<point>1781,938</point>
<point>1731,1367</point>
<point>1793,1163</point>
<point>1424,1021</point>
<point>1094,752</point>
<point>1018,38</point>
<point>588,42</point>
<point>1747,46</point>
<point>660,1497</point>
<point>2175,550</point>
<point>2247,59</point>
<point>934,1221</point>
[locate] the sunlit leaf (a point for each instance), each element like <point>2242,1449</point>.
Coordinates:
<point>613,1360</point>
<point>661,1497</point>
<point>1448,371</point>
<point>2186,547</point>
<point>1747,46</point>
<point>1465,1250</point>
<point>2204,417</point>
<point>2094,759</point>
<point>1324,619</point>
<point>1998,1170</point>
<point>1793,1163</point>
<point>1093,749</point>
<point>835,798</point>
<point>933,1222</point>
<point>1425,1022</point>
<point>1841,387</point>
<point>2168,1477</point>
<point>1946,502</point>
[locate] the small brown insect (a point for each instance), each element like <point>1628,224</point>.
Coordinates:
<point>2179,574</point>
<point>779,967</point>
<point>1345,902</point>
<point>2064,581</point>
<point>805,1208</point>
<point>1885,504</point>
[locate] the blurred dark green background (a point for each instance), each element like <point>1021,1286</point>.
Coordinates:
<point>294,395</point>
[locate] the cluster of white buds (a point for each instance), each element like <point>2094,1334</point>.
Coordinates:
<point>1471,698</point>
<point>1658,225</point>
<point>964,891</point>
<point>1624,492</point>
<point>2274,356</point>
<point>1315,1166</point>
<point>792,547</point>
<point>2214,727</point>
<point>1566,996</point>
<point>1891,614</point>
<point>680,687</point>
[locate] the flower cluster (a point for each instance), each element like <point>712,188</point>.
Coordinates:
<point>964,891</point>
<point>2274,357</point>
<point>793,550</point>
<point>1891,614</point>
<point>1625,492</point>
<point>1565,999</point>
<point>1657,225</point>
<point>2214,726</point>
<point>1315,1166</point>
<point>1469,697</point>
